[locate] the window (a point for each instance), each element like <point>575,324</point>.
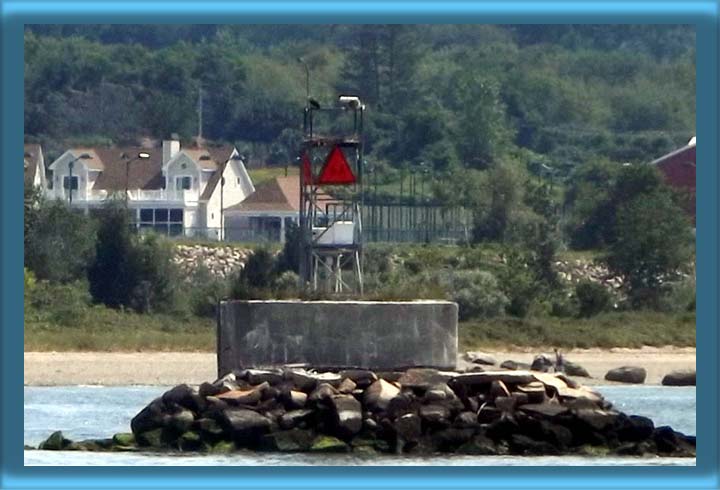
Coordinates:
<point>68,184</point>
<point>184,183</point>
<point>162,220</point>
<point>239,180</point>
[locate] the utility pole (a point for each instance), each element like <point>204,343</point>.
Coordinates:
<point>200,114</point>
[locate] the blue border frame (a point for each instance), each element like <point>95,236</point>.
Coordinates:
<point>15,13</point>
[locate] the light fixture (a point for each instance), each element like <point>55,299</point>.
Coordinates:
<point>350,101</point>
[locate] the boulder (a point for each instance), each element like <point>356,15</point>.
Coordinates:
<point>487,377</point>
<point>347,386</point>
<point>361,377</point>
<point>534,390</point>
<point>505,403</point>
<point>297,399</point>
<point>323,392</point>
<point>223,447</point>
<point>184,396</point>
<point>293,418</point>
<point>634,428</point>
<point>668,441</point>
<point>378,395</point>
<point>124,439</point>
<point>572,369</point>
<point>348,414</point>
<point>333,379</point>
<point>679,378</point>
<point>209,427</point>
<point>544,409</point>
<point>480,358</point>
<point>209,389</point>
<point>287,440</point>
<point>466,420</point>
<point>479,445</point>
<point>180,421</point>
<point>514,366</point>
<point>542,363</point>
<point>440,392</point>
<point>627,374</point>
<point>228,382</point>
<point>152,438</point>
<point>149,418</point>
<point>400,405</point>
<point>448,440</point>
<point>245,397</point>
<point>488,414</point>
<point>301,379</point>
<point>598,420</point>
<point>522,444</point>
<point>244,423</point>
<point>435,414</point>
<point>498,388</point>
<point>55,442</point>
<point>329,444</point>
<point>422,379</point>
<point>190,441</point>
<point>408,427</point>
<point>258,376</point>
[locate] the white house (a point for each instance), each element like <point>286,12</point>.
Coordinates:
<point>34,166</point>
<point>172,190</point>
<point>266,214</point>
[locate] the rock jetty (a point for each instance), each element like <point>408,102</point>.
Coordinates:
<point>423,411</point>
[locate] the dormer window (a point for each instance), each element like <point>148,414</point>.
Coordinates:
<point>70,183</point>
<point>184,183</point>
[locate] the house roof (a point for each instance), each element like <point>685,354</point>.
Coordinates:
<point>278,194</point>
<point>219,155</point>
<point>143,174</point>
<point>687,150</point>
<point>95,161</point>
<point>31,161</point>
<point>281,194</point>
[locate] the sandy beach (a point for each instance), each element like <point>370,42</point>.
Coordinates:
<point>170,368</point>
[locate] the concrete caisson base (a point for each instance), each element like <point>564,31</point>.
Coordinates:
<point>337,334</point>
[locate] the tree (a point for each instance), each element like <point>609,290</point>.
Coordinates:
<point>129,270</point>
<point>653,240</point>
<point>491,222</point>
<point>59,242</point>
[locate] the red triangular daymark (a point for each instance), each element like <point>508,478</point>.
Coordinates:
<point>336,170</point>
<point>306,172</point>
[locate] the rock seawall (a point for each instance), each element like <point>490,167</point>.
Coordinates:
<point>414,411</point>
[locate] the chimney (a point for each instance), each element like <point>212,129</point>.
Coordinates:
<point>170,148</point>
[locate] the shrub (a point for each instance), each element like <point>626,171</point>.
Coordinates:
<point>518,283</point>
<point>155,275</point>
<point>204,291</point>
<point>680,297</point>
<point>63,304</point>
<point>59,243</point>
<point>255,280</point>
<point>592,298</point>
<point>477,294</point>
<point>289,258</point>
<point>129,270</point>
<point>286,284</point>
<point>653,240</point>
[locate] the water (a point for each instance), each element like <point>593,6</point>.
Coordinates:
<point>87,412</point>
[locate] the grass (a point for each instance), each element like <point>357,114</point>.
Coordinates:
<point>622,329</point>
<point>260,175</point>
<point>103,329</point>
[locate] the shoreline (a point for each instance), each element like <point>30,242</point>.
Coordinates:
<point>172,368</point>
